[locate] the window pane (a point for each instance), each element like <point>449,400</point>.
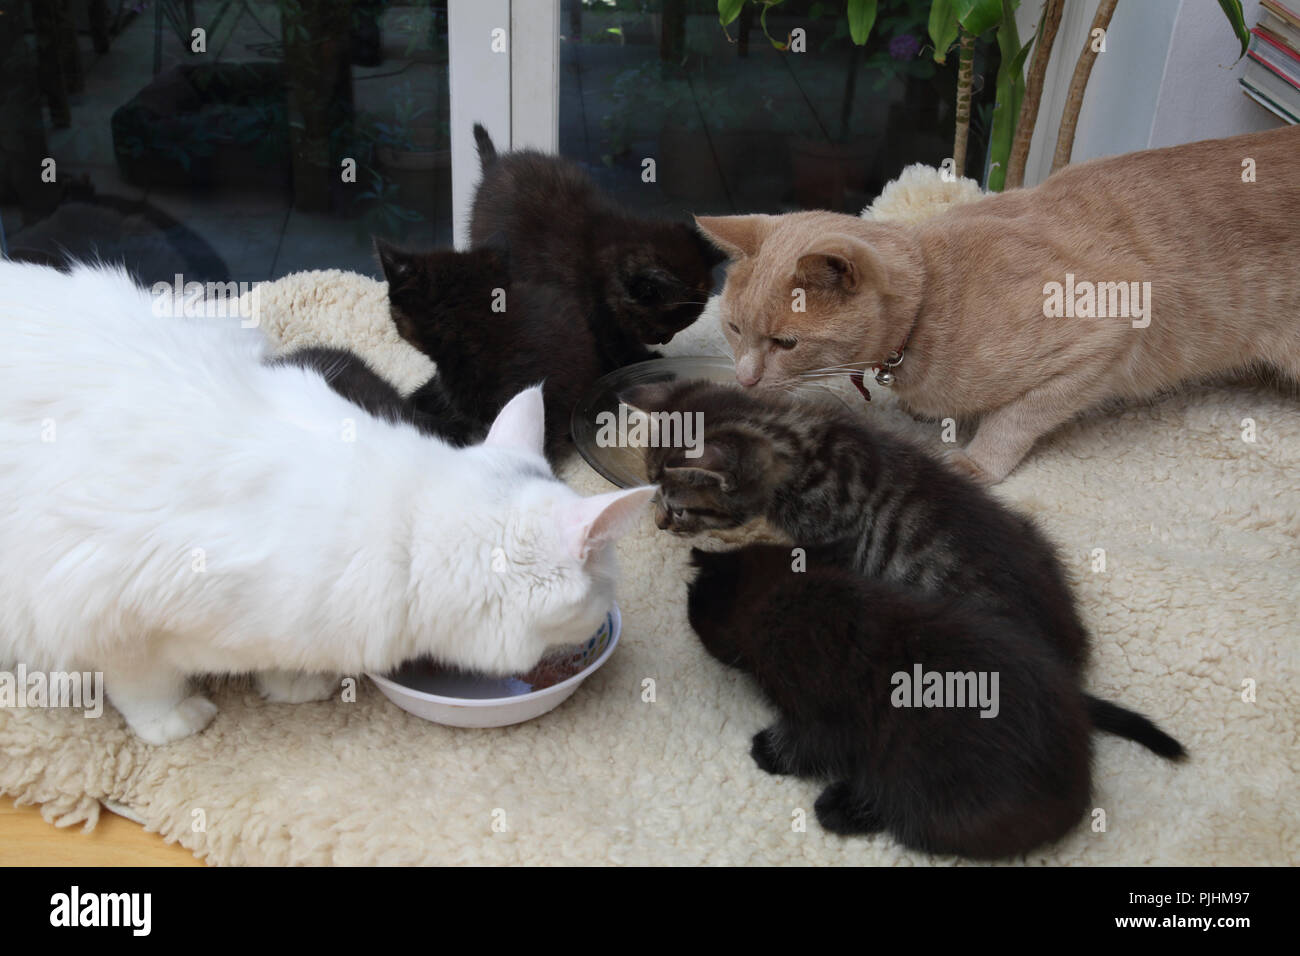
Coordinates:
<point>735,125</point>
<point>277,138</point>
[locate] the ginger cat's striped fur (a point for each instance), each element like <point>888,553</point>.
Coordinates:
<point>968,291</point>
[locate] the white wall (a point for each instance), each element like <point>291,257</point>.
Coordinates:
<point>1200,97</point>
<point>1168,76</point>
<point>479,83</point>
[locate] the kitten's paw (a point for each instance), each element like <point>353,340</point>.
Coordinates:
<point>188,717</point>
<point>295,687</point>
<point>840,811</point>
<point>967,467</point>
<point>765,753</point>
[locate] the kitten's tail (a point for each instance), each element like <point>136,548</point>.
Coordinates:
<point>1123,722</point>
<point>487,153</point>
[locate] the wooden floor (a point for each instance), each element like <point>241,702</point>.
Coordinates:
<point>27,840</point>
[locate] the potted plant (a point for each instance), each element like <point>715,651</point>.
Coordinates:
<point>961,23</point>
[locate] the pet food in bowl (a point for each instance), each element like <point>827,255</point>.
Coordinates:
<point>459,699</point>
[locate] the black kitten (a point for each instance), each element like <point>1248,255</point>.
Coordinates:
<point>349,375</point>
<point>993,771</point>
<point>825,476</point>
<point>635,280</point>
<point>491,337</point>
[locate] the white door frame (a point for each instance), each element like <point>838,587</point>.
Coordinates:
<point>504,64</point>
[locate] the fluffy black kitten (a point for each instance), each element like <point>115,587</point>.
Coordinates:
<point>831,649</point>
<point>635,280</point>
<point>825,476</point>
<point>491,336</point>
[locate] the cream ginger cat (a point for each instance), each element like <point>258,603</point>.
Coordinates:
<point>1116,278</point>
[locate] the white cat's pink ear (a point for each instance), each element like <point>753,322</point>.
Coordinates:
<point>592,523</point>
<point>521,425</point>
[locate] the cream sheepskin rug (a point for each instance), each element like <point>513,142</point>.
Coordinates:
<point>1194,618</point>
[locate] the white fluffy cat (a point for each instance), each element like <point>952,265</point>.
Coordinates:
<point>170,505</point>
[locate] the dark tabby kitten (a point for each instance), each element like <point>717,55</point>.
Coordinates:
<point>823,475</point>
<point>831,649</point>
<point>635,279</point>
<point>443,303</point>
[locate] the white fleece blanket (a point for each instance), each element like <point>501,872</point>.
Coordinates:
<point>1194,618</point>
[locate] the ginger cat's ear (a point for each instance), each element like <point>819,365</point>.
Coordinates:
<point>841,263</point>
<point>737,236</point>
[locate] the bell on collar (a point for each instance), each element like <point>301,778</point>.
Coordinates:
<point>885,375</point>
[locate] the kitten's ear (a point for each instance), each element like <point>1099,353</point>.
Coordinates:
<point>521,425</point>
<point>840,263</point>
<point>648,398</point>
<point>397,264</point>
<point>728,453</point>
<point>737,236</point>
<point>401,270</point>
<point>590,524</point>
<point>710,559</point>
<point>716,465</point>
<point>708,252</point>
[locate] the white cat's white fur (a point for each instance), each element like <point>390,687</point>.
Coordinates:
<point>170,505</point>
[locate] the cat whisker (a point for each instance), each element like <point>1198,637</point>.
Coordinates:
<point>838,396</point>
<point>845,367</point>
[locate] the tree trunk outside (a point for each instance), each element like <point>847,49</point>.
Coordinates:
<point>965,66</point>
<point>1078,84</point>
<point>1028,118</point>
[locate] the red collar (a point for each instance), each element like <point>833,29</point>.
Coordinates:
<point>884,370</point>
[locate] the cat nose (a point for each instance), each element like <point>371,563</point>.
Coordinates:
<point>749,369</point>
<point>661,519</point>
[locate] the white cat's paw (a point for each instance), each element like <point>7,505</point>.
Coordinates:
<point>188,717</point>
<point>295,687</point>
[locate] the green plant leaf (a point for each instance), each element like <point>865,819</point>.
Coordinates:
<point>862,17</point>
<point>728,10</point>
<point>1010,94</point>
<point>762,22</point>
<point>1232,10</point>
<point>943,27</point>
<point>979,16</point>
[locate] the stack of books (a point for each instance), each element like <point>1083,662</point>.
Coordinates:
<point>1272,74</point>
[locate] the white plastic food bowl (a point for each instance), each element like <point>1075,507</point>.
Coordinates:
<point>458,699</point>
